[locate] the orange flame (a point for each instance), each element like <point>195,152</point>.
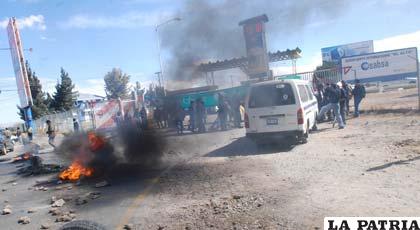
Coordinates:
<point>75,171</point>
<point>26,156</point>
<point>96,142</point>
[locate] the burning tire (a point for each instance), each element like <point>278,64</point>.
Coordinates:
<point>82,225</point>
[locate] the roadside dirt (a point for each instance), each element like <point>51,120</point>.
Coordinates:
<point>368,169</point>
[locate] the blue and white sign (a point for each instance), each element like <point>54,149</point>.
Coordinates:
<point>336,53</point>
<point>391,65</point>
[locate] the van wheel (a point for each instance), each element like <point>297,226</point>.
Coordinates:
<point>303,138</point>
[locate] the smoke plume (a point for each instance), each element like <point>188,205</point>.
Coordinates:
<point>209,29</point>
<point>126,145</point>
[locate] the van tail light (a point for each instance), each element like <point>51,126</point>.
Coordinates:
<point>300,116</point>
<point>246,120</point>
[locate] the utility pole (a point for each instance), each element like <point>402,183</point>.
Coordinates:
<point>158,45</point>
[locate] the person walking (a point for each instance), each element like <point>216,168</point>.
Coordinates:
<point>359,92</point>
<point>334,104</point>
<point>76,126</point>
<point>51,134</point>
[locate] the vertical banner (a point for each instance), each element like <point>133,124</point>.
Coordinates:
<point>18,60</point>
<point>256,47</point>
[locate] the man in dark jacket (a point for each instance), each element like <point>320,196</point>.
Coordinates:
<point>359,92</point>
<point>343,101</point>
<point>334,104</point>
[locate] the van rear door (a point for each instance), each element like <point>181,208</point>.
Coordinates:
<point>272,108</point>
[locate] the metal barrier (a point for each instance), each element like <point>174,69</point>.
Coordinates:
<point>326,76</point>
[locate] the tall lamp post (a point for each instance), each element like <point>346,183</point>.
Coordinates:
<point>158,45</point>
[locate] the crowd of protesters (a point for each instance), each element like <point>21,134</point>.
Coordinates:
<point>334,100</point>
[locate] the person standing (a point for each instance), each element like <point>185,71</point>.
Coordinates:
<point>334,104</point>
<point>30,133</point>
<point>51,134</point>
<point>343,101</point>
<point>76,126</point>
<point>119,120</point>
<point>359,92</point>
<point>201,112</point>
<point>179,120</point>
<point>222,112</point>
<point>346,87</point>
<point>143,115</point>
<point>19,134</point>
<point>192,113</point>
<point>7,134</point>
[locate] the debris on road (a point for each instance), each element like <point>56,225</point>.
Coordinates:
<point>58,203</point>
<point>24,220</point>
<point>14,183</point>
<point>66,217</point>
<point>101,184</point>
<point>55,212</point>
<point>34,166</point>
<point>81,200</point>
<point>31,210</point>
<point>128,227</point>
<point>94,195</point>
<point>6,211</point>
<point>45,226</point>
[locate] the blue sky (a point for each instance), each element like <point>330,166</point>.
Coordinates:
<point>90,37</point>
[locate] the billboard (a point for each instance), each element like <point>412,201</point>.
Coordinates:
<point>256,47</point>
<point>336,53</point>
<point>390,65</point>
<point>18,60</point>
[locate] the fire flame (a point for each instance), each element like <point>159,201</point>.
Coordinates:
<point>75,171</point>
<point>26,156</point>
<point>77,168</point>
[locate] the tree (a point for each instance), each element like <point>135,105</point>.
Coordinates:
<point>64,96</point>
<point>116,84</point>
<point>39,107</point>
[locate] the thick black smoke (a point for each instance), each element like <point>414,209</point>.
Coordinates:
<point>125,145</point>
<point>209,29</point>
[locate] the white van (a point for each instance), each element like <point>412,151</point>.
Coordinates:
<point>280,109</point>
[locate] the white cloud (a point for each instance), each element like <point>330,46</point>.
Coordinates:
<point>129,20</point>
<point>398,42</point>
<point>32,21</point>
<point>91,86</point>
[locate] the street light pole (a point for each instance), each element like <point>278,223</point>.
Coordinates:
<point>158,45</point>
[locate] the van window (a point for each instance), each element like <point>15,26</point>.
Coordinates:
<point>310,92</point>
<point>271,95</point>
<point>303,93</point>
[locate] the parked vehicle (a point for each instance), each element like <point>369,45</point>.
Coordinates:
<point>280,109</point>
<point>6,145</point>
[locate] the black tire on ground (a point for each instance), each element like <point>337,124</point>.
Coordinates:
<point>82,225</point>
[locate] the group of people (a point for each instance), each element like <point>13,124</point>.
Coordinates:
<point>334,99</point>
<point>139,118</point>
<point>228,109</point>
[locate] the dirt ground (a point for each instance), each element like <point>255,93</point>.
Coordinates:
<point>368,169</point>
<point>221,180</point>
